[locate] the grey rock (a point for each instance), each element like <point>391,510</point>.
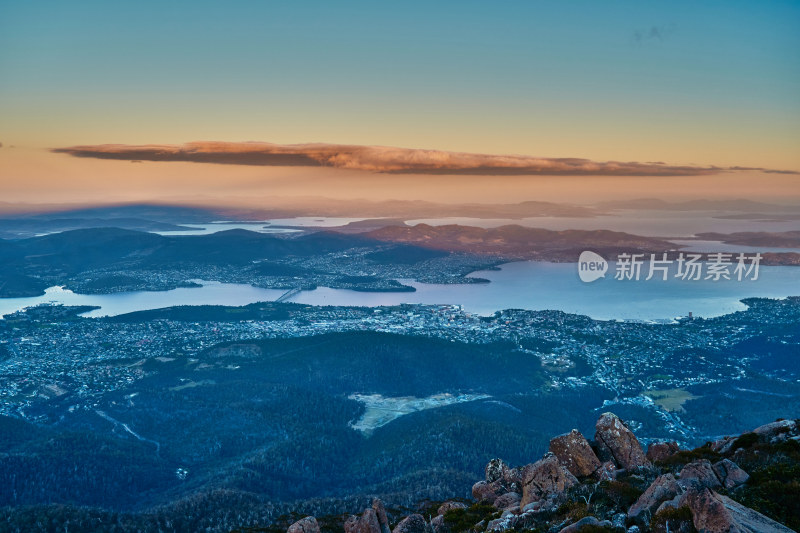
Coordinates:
<point>778,431</point>
<point>730,474</point>
<point>664,487</point>
<point>412,524</point>
<point>449,506</point>
<point>438,525</point>
<point>507,500</point>
<point>366,523</point>
<point>580,524</point>
<point>380,513</point>
<point>304,525</point>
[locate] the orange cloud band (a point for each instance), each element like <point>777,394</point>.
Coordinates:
<point>386,159</point>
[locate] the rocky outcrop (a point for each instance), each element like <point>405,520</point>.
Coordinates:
<point>305,525</point>
<point>618,443</point>
<point>545,479</point>
<point>412,524</point>
<point>573,451</point>
<point>662,489</point>
<point>660,451</point>
<point>547,495</point>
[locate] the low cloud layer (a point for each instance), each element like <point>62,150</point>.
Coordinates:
<point>384,159</point>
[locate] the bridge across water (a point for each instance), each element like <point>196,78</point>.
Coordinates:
<point>288,294</point>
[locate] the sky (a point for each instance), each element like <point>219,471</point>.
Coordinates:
<point>704,84</point>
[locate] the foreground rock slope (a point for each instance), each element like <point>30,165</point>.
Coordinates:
<point>612,484</point>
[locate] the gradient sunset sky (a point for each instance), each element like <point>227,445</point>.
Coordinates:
<point>707,84</point>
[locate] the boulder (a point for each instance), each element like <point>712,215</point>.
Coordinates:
<point>730,474</point>
<point>618,521</point>
<point>699,474</point>
<point>714,513</point>
<point>723,445</point>
<point>777,431</point>
<point>449,506</point>
<point>580,524</point>
<point>411,524</point>
<point>380,513</point>
<point>438,525</point>
<point>304,525</point>
<point>487,492</point>
<point>664,488</point>
<point>512,479</point>
<point>366,523</point>
<point>495,470</point>
<point>659,451</point>
<point>618,443</point>
<point>509,499</point>
<point>574,452</point>
<point>545,478</point>
<point>748,519</point>
<point>674,503</point>
<point>502,524</point>
<point>606,472</point>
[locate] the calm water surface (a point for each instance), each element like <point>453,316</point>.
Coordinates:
<point>520,285</point>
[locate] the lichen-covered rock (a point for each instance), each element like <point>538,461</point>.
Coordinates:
<point>580,524</point>
<point>512,479</point>
<point>699,474</point>
<point>545,478</point>
<point>449,506</point>
<point>366,523</point>
<point>502,524</point>
<point>659,451</point>
<point>411,524</point>
<point>606,472</point>
<point>380,513</point>
<point>509,499</point>
<point>664,488</point>
<point>618,443</point>
<point>730,474</point>
<point>618,521</point>
<point>495,470</point>
<point>574,452</point>
<point>304,525</point>
<point>487,492</point>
